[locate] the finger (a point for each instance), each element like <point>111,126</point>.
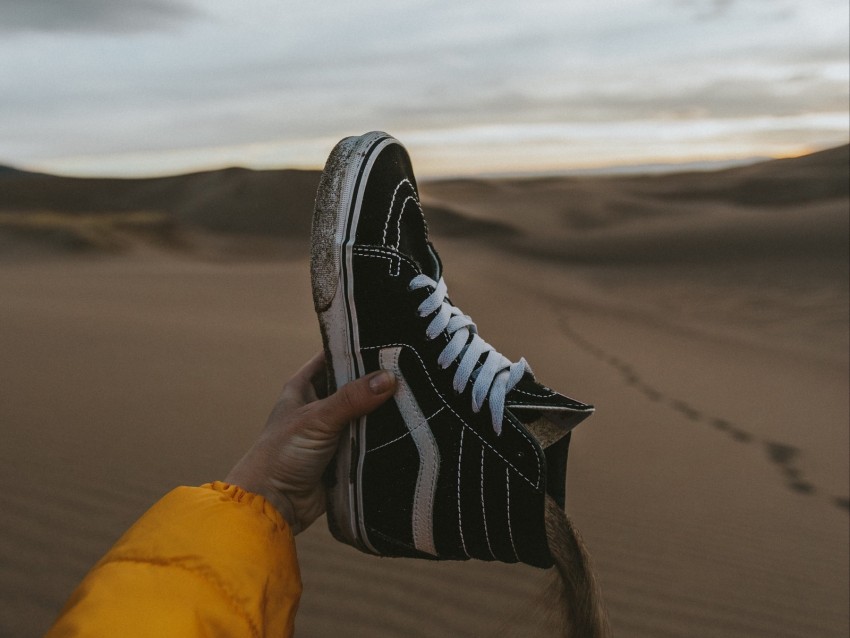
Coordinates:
<point>319,381</point>
<point>300,389</point>
<point>354,399</point>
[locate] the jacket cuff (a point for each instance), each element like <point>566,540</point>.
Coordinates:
<point>255,501</point>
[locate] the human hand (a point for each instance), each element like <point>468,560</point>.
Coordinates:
<point>286,463</point>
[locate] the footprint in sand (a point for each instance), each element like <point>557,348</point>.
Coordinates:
<point>632,378</point>
<point>649,392</point>
<point>785,456</point>
<point>690,412</point>
<point>782,455</point>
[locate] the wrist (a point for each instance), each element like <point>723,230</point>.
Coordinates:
<point>272,496</point>
<point>282,505</point>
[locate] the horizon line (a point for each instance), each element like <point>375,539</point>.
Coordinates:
<point>601,170</point>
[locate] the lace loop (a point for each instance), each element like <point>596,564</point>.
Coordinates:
<point>494,378</point>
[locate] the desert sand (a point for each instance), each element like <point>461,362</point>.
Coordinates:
<point>143,340</point>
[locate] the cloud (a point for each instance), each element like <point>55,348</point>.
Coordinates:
<point>710,9</point>
<point>719,10</point>
<point>105,16</point>
<point>281,75</point>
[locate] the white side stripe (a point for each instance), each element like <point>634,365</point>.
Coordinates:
<point>429,454</point>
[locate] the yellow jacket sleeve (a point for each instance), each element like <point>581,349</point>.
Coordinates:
<point>213,560</point>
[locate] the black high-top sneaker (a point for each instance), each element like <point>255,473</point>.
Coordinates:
<point>458,465</point>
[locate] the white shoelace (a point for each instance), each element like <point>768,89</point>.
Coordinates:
<point>496,377</point>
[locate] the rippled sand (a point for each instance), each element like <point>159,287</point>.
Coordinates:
<point>711,485</point>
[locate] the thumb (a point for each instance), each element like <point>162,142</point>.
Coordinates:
<point>355,399</point>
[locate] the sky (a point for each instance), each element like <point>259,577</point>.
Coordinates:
<point>152,87</point>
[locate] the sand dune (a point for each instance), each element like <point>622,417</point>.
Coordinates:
<point>711,332</point>
<point>796,205</point>
<point>684,217</point>
<point>232,200</point>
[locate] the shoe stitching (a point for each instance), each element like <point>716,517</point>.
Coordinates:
<point>398,223</point>
<point>562,408</point>
<point>484,509</point>
<point>415,198</point>
<point>511,420</point>
<point>408,433</point>
<point>459,518</point>
<point>536,394</point>
<point>510,527</point>
<point>534,484</point>
<point>386,253</point>
<point>394,259</point>
<point>392,201</point>
<point>379,253</point>
<point>387,257</point>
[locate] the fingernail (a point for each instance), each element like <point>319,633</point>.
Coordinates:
<point>381,382</point>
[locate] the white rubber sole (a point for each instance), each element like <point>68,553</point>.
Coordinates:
<point>338,205</point>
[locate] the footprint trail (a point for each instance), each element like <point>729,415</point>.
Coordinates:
<point>784,457</point>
